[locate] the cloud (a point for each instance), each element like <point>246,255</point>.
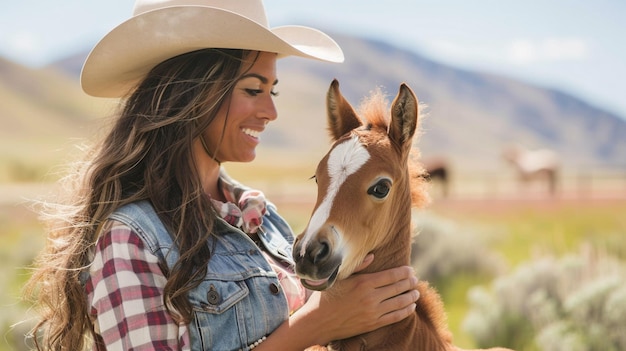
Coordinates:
<point>515,52</point>
<point>22,42</point>
<point>525,51</point>
<point>24,46</point>
<point>468,51</point>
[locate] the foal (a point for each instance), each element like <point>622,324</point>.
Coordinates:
<point>366,188</point>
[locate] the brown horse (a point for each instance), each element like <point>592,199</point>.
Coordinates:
<point>366,188</point>
<point>438,170</point>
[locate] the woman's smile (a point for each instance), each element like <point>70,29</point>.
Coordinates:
<point>252,133</point>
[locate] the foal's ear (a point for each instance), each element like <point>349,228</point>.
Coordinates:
<point>341,115</point>
<point>404,112</point>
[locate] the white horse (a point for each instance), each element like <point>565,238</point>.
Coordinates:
<point>542,164</point>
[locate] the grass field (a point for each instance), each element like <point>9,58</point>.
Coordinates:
<point>519,230</point>
<point>522,230</point>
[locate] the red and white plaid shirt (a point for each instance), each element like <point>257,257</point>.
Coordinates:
<point>125,296</point>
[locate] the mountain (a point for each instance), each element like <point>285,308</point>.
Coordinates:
<point>470,116</point>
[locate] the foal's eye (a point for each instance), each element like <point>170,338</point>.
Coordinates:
<point>314,178</point>
<point>380,190</point>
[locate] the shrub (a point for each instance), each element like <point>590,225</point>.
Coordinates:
<point>441,250</point>
<point>577,302</point>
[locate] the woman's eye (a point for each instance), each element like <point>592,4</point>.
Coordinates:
<point>380,190</point>
<point>254,92</point>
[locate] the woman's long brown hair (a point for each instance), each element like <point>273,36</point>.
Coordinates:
<point>146,155</point>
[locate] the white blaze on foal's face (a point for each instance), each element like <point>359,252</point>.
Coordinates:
<point>345,159</point>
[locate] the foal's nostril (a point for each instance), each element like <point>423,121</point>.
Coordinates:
<point>320,252</point>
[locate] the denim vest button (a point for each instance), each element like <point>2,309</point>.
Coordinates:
<point>274,289</point>
<point>213,297</point>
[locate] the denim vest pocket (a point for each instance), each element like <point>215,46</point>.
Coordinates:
<point>220,295</point>
<point>215,311</point>
<point>230,314</point>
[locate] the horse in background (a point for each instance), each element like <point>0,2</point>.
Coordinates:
<point>367,184</point>
<point>437,170</point>
<point>532,165</point>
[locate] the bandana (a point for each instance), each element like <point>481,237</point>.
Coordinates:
<point>246,212</point>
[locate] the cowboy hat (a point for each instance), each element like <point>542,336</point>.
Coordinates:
<point>162,29</point>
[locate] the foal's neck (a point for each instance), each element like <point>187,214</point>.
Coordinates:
<point>426,329</point>
<point>396,252</point>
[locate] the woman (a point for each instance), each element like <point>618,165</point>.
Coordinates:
<point>160,249</point>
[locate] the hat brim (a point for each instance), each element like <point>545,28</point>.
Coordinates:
<point>129,51</point>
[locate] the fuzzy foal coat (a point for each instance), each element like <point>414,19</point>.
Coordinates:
<point>426,329</point>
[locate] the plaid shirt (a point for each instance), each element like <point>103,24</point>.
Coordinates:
<point>125,296</point>
<point>125,284</point>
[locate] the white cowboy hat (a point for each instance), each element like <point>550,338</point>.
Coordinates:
<point>162,29</point>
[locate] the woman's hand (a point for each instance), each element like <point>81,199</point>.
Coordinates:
<point>363,302</point>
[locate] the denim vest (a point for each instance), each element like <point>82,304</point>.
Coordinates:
<point>240,299</point>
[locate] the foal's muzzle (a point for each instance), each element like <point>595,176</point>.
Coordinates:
<point>318,264</point>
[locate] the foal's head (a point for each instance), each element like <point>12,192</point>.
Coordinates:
<point>364,187</point>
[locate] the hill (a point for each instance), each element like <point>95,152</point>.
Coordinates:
<point>471,116</point>
<point>41,112</point>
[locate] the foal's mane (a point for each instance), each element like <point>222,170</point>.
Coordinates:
<point>374,112</point>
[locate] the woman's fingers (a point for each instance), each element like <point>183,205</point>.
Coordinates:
<point>399,302</point>
<point>399,287</point>
<point>392,293</point>
<point>366,262</point>
<point>397,315</point>
<point>388,283</point>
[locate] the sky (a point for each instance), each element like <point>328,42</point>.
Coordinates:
<point>576,46</point>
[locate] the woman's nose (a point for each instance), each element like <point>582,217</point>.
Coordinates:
<point>268,110</point>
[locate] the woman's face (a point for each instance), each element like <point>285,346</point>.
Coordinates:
<point>234,134</point>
